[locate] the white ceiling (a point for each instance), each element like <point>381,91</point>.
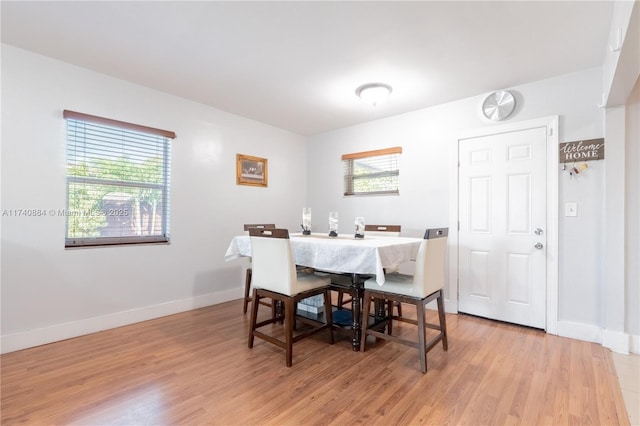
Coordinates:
<point>296,65</point>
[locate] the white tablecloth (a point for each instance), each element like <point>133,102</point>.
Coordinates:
<point>342,254</point>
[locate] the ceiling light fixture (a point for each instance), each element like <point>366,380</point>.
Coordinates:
<point>374,93</point>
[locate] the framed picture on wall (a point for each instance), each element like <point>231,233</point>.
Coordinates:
<point>251,171</point>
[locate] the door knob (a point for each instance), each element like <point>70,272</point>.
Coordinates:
<point>539,246</point>
<point>538,231</point>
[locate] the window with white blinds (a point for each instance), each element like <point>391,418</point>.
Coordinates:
<point>117,182</point>
<point>372,172</point>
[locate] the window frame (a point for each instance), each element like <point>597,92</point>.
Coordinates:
<point>163,186</point>
<point>349,177</point>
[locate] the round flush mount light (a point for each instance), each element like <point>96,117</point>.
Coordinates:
<point>498,105</point>
<point>374,93</point>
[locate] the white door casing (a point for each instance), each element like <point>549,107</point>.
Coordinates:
<point>504,191</point>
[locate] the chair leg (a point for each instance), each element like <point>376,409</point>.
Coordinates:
<point>422,338</point>
<point>328,313</point>
<point>289,319</point>
<point>399,308</point>
<point>443,321</point>
<point>247,288</point>
<point>365,320</point>
<point>274,310</point>
<point>278,307</point>
<point>295,313</point>
<point>390,304</point>
<point>254,316</point>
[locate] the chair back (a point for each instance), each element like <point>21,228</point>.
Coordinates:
<point>429,270</point>
<point>382,230</point>
<point>258,225</point>
<point>273,263</point>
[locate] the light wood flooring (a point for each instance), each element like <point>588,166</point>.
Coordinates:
<point>195,368</point>
<point>628,372</point>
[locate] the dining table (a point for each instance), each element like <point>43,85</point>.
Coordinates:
<point>345,256</point>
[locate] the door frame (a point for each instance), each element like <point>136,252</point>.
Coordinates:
<point>551,291</point>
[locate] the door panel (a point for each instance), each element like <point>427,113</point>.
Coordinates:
<point>502,200</point>
<point>518,279</point>
<point>480,203</point>
<point>518,208</point>
<point>479,267</point>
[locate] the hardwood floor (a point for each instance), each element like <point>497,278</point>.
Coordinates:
<point>195,368</point>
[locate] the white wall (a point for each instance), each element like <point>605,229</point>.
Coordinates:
<point>49,293</point>
<point>632,225</point>
<point>621,71</point>
<point>428,137</point>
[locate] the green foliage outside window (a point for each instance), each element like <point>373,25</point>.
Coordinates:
<point>91,203</point>
<point>373,174</point>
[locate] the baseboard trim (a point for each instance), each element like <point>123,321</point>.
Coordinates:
<point>575,330</point>
<point>57,332</point>
<point>635,344</point>
<point>450,306</point>
<point>617,341</point>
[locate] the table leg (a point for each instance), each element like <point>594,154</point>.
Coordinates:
<point>379,308</point>
<point>356,326</point>
<point>279,310</point>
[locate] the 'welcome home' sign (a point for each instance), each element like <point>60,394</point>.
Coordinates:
<point>592,149</point>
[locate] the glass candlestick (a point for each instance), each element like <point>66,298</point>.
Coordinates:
<point>333,224</point>
<point>359,222</point>
<point>306,221</point>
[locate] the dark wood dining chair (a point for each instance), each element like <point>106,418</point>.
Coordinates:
<point>248,273</point>
<point>275,277</point>
<point>424,286</point>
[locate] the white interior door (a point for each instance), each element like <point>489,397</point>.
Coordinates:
<point>502,237</point>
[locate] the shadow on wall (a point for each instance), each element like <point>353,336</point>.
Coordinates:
<point>222,279</point>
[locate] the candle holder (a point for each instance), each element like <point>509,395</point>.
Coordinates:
<point>333,224</point>
<point>306,221</point>
<point>359,222</point>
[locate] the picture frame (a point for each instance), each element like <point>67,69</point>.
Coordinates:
<point>252,171</point>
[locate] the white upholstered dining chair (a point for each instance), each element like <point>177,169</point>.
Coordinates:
<point>424,286</point>
<point>247,278</point>
<point>275,276</point>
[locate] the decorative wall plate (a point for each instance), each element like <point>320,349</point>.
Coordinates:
<point>498,105</point>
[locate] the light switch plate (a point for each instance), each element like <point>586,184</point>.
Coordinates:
<point>571,209</point>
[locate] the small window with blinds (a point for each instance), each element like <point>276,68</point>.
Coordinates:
<point>117,182</point>
<point>372,172</point>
